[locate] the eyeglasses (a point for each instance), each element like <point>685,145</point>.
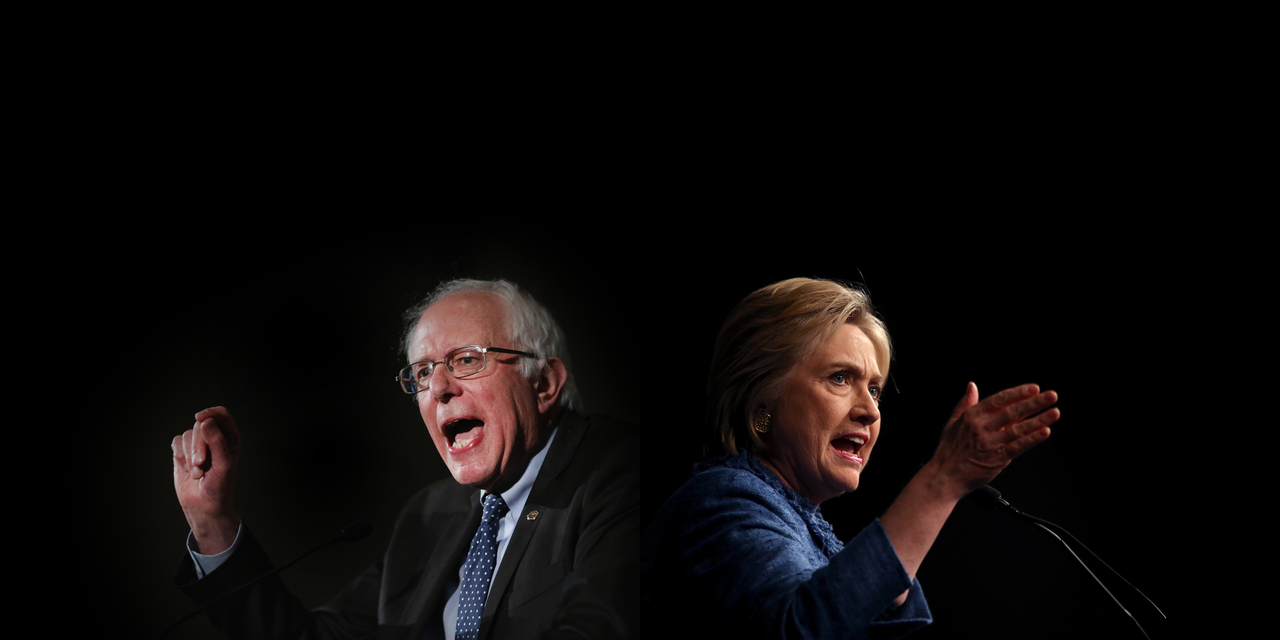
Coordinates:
<point>462,362</point>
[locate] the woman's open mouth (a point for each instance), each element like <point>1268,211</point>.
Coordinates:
<point>849,447</point>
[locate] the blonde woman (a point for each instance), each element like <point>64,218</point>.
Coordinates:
<point>742,549</point>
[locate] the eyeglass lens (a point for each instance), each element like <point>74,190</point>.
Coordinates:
<point>461,363</point>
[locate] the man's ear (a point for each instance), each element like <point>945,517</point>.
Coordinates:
<point>550,384</point>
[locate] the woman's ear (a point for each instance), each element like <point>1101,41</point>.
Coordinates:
<point>761,420</point>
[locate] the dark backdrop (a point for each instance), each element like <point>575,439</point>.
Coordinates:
<point>1066,214</point>
<point>299,338</point>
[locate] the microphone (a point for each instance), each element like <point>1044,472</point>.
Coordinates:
<point>358,530</point>
<point>988,497</point>
<point>350,533</point>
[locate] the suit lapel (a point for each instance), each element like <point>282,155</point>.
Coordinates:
<point>450,552</point>
<point>572,429</point>
<point>510,560</point>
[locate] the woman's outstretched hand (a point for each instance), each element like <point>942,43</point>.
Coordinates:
<point>979,441</point>
<point>982,438</point>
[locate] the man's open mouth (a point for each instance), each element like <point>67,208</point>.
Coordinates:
<point>463,432</point>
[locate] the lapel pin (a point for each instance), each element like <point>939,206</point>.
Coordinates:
<point>533,515</point>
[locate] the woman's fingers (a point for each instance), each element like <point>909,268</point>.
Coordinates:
<point>1001,411</point>
<point>1023,412</point>
<point>1038,422</point>
<point>968,400</point>
<point>1009,396</point>
<point>986,436</point>
<point>1011,442</point>
<point>1021,444</point>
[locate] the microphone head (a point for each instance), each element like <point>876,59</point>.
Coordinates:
<point>986,497</point>
<point>356,530</point>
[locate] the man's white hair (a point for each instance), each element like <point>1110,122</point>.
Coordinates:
<point>530,328</point>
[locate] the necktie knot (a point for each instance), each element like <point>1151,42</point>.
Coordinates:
<point>494,508</point>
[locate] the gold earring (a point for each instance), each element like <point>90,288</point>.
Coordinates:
<point>761,423</point>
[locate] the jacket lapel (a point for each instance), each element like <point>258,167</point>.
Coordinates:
<point>572,429</point>
<point>450,552</point>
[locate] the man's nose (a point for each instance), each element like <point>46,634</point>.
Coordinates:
<point>443,385</point>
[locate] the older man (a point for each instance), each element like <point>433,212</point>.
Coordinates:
<point>537,537</point>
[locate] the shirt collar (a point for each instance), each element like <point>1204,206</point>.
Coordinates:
<point>518,494</point>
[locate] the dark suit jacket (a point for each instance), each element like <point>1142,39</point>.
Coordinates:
<point>570,571</point>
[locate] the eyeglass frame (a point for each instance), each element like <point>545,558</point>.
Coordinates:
<point>484,351</point>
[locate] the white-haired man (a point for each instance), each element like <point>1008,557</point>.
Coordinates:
<point>538,536</point>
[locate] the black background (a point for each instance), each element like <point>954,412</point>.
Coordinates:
<point>240,219</point>
<point>299,337</point>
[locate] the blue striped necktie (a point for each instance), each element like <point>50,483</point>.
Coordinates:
<point>477,572</point>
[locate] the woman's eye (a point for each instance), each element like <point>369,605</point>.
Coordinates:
<point>876,392</point>
<point>840,377</point>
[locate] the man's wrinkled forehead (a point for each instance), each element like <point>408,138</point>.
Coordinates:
<point>461,319</point>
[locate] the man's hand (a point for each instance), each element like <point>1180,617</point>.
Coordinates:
<point>205,459</point>
<point>982,438</point>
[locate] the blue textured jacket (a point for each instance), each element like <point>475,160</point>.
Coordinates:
<point>735,553</point>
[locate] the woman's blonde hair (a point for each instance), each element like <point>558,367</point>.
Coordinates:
<point>766,335</point>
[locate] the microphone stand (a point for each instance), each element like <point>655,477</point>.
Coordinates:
<point>350,533</point>
<point>988,497</point>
